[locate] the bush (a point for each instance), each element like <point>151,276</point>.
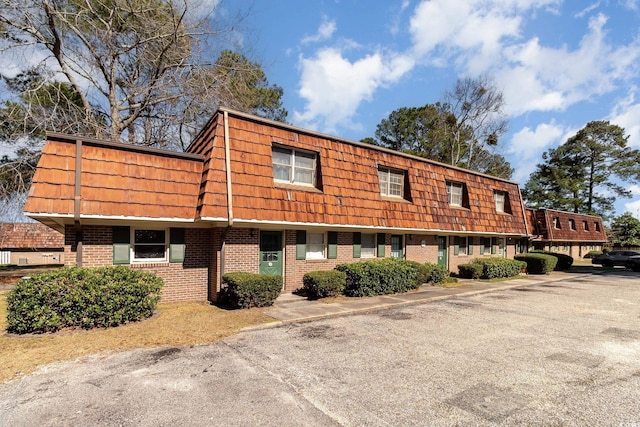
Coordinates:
<point>538,263</point>
<point>379,277</point>
<point>322,284</point>
<point>429,273</point>
<point>592,254</point>
<point>497,268</point>
<point>82,297</point>
<point>246,290</point>
<point>564,262</point>
<point>470,271</point>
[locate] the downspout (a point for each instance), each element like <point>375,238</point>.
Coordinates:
<point>227,162</point>
<point>524,217</point>
<point>76,204</point>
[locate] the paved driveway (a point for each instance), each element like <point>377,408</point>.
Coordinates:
<point>564,353</point>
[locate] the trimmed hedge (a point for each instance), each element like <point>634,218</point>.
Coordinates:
<point>497,268</point>
<point>429,273</point>
<point>564,261</point>
<point>379,277</point>
<point>538,263</point>
<point>470,271</point>
<point>322,284</point>
<point>82,297</point>
<point>591,254</point>
<point>246,290</point>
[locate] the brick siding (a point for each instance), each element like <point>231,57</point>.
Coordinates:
<point>186,281</point>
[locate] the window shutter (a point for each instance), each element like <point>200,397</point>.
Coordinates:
<point>332,238</point>
<point>177,245</point>
<point>357,245</point>
<point>470,246</point>
<point>456,245</point>
<point>381,239</point>
<point>121,245</point>
<point>301,244</point>
<point>494,246</point>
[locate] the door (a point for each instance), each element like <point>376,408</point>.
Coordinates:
<point>442,251</point>
<point>271,252</point>
<point>396,246</point>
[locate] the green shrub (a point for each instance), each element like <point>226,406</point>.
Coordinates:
<point>538,263</point>
<point>322,284</point>
<point>379,277</point>
<point>591,254</point>
<point>496,268</point>
<point>429,273</point>
<point>564,262</point>
<point>245,290</point>
<point>81,297</point>
<point>470,271</point>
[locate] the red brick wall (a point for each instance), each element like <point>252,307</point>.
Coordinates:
<point>186,281</point>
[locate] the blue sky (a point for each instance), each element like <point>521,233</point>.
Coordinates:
<point>346,64</point>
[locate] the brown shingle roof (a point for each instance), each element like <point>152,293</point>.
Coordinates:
<point>117,180</point>
<point>588,228</point>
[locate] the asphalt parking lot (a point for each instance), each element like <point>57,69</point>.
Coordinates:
<point>561,353</point>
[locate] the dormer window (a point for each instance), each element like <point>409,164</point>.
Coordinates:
<point>391,182</point>
<point>572,224</point>
<point>455,193</point>
<point>585,225</point>
<point>294,166</point>
<point>556,222</point>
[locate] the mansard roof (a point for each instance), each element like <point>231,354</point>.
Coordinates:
<point>231,161</point>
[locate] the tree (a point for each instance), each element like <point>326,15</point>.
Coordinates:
<point>139,71</point>
<point>580,174</point>
<point>625,231</point>
<point>474,118</point>
<point>426,132</point>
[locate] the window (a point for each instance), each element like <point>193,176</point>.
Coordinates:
<point>391,182</point>
<point>293,166</point>
<point>454,193</point>
<point>572,224</point>
<point>585,225</point>
<point>556,222</point>
<point>485,246</point>
<point>499,197</point>
<point>368,248</point>
<point>315,246</point>
<point>396,246</point>
<point>149,245</point>
<point>460,246</point>
<point>597,226</point>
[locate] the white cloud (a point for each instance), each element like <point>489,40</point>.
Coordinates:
<point>333,86</point>
<point>626,114</point>
<point>528,144</point>
<point>633,208</point>
<point>635,189</point>
<point>553,79</point>
<point>325,31</point>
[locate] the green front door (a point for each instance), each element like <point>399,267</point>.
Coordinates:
<point>442,251</point>
<point>271,252</point>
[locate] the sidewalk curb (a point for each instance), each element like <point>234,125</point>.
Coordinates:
<point>386,306</point>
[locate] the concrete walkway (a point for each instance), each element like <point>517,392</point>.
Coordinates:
<point>291,308</point>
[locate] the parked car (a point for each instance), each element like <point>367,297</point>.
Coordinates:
<point>633,263</point>
<point>612,258</point>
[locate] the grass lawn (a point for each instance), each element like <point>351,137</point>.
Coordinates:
<point>180,324</point>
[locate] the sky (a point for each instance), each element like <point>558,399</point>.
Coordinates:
<point>345,65</point>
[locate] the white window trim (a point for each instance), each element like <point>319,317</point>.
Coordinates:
<point>313,254</point>
<point>292,167</point>
<point>450,194</point>
<point>385,187</point>
<point>375,246</point>
<point>132,249</point>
